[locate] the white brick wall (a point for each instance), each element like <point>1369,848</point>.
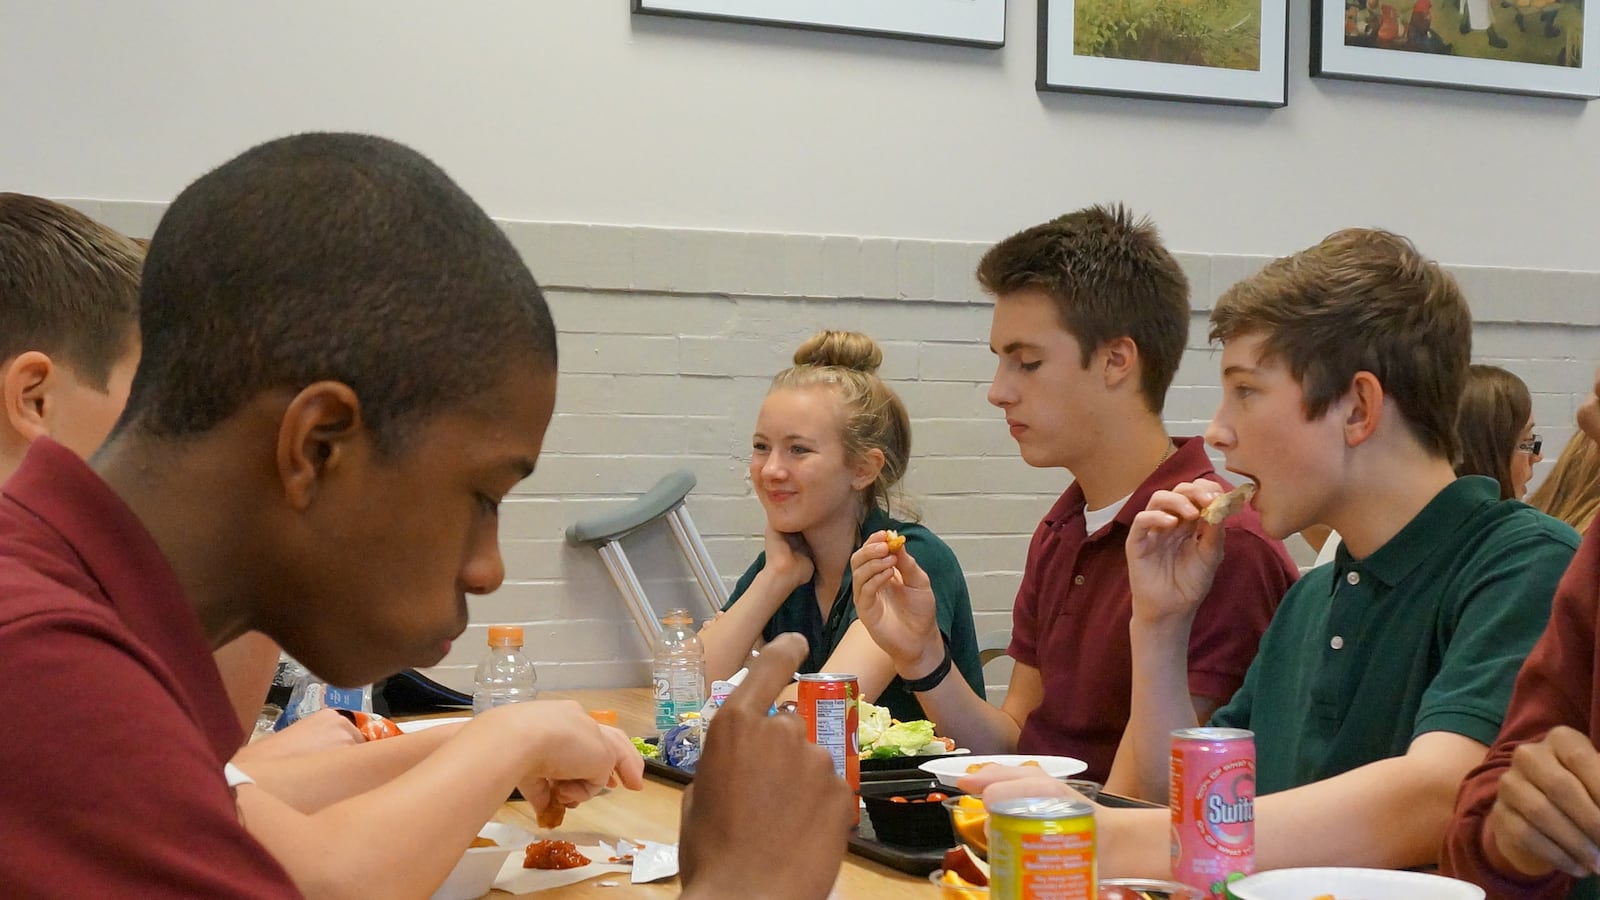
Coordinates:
<point>668,338</point>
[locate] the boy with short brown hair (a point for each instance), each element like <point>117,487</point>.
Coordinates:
<point>1385,674</point>
<point>1091,316</point>
<point>69,326</point>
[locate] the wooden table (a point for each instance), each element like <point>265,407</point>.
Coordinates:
<point>652,815</point>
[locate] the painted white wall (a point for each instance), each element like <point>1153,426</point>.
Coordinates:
<point>575,110</point>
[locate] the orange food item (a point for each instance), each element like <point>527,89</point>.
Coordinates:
<point>374,727</point>
<point>481,841</point>
<point>552,814</point>
<point>895,540</point>
<point>1027,762</point>
<point>969,818</point>
<point>553,855</point>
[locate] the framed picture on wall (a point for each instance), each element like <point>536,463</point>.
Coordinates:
<point>1511,46</point>
<point>1212,51</point>
<point>980,23</point>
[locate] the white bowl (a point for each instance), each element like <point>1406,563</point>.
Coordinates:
<point>474,875</point>
<point>952,769</point>
<point>1357,884</point>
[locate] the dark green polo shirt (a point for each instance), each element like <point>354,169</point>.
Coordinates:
<point>801,613</point>
<point>1426,634</point>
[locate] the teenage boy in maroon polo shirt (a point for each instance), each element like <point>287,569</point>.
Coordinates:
<point>1091,315</point>
<point>345,367</point>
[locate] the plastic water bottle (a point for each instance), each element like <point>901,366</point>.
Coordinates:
<point>679,672</point>
<point>310,693</point>
<point>505,675</point>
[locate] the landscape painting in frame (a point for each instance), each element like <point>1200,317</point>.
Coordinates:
<point>1216,51</point>
<point>1515,46</point>
<point>980,23</point>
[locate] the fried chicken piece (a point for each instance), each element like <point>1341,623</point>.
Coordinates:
<point>1229,503</point>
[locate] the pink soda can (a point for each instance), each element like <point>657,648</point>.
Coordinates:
<point>1212,795</point>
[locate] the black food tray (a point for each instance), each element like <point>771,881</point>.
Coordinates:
<point>903,765</point>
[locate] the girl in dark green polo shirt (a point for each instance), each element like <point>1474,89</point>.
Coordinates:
<point>830,443</point>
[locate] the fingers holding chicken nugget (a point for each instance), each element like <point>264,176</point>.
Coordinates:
<point>895,540</point>
<point>1228,504</point>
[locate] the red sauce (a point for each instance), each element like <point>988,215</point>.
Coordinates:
<point>553,855</point>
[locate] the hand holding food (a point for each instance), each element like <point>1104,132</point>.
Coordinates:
<point>895,603</point>
<point>1172,558</point>
<point>573,757</point>
<point>1228,504</point>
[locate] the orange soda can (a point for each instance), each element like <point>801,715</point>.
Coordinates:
<point>828,704</point>
<point>1212,795</point>
<point>1041,849</point>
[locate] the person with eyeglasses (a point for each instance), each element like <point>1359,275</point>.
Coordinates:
<point>1496,430</point>
<point>1527,822</point>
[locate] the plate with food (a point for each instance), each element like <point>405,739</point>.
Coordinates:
<point>950,770</point>
<point>888,744</point>
<point>1341,883</point>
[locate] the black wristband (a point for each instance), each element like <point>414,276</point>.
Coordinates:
<point>933,679</point>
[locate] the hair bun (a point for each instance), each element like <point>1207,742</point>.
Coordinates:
<point>845,349</point>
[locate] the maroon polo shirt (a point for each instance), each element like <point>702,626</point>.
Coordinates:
<point>114,725</point>
<point>1072,612</point>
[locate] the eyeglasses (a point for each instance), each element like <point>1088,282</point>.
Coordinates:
<point>1531,447</point>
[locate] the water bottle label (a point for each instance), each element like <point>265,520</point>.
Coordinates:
<point>342,698</point>
<point>688,691</point>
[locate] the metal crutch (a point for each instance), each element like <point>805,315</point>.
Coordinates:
<point>606,531</point>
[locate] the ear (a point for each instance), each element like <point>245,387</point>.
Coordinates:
<point>1365,408</point>
<point>26,386</point>
<point>867,469</point>
<point>320,434</point>
<point>1118,359</point>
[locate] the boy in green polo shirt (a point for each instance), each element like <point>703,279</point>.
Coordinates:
<point>1385,674</point>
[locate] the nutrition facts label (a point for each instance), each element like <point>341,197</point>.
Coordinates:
<point>832,715</point>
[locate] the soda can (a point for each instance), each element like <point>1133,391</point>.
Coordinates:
<point>1041,849</point>
<point>1212,795</point>
<point>828,704</point>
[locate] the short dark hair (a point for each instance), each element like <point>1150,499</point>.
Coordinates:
<point>338,257</point>
<point>1363,299</point>
<point>69,287</point>
<point>1495,407</point>
<point>1110,277</point>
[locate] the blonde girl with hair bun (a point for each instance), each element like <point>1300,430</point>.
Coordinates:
<point>830,446</point>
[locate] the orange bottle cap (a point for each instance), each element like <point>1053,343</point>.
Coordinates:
<point>604,716</point>
<point>505,635</point>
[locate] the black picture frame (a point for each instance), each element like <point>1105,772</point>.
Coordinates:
<point>1104,59</point>
<point>973,23</point>
<point>1446,48</point>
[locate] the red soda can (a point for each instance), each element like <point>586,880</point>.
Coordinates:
<point>828,704</point>
<point>1212,795</point>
